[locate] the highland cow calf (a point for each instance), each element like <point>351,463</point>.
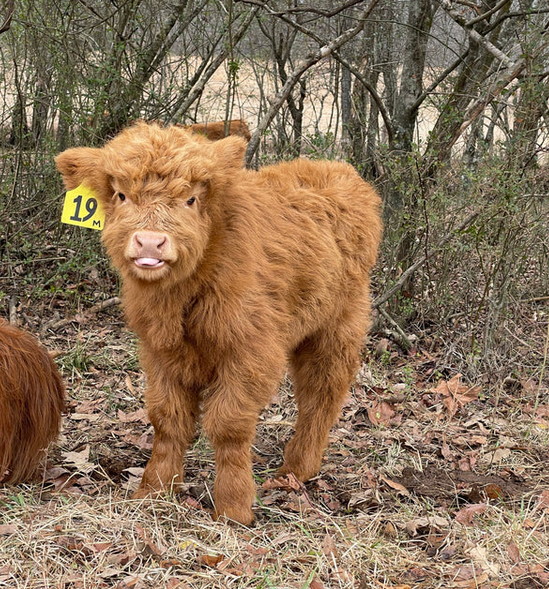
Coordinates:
<point>228,276</point>
<point>32,397</point>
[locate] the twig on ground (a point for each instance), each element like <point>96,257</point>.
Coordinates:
<point>12,309</point>
<point>80,317</point>
<point>398,335</point>
<point>304,493</point>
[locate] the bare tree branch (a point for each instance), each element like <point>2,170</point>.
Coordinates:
<point>406,274</point>
<point>373,93</point>
<point>488,13</point>
<point>427,92</point>
<point>510,15</point>
<point>476,109</point>
<point>306,9</point>
<point>475,35</point>
<point>185,101</point>
<point>294,77</point>
<point>337,56</point>
<point>7,21</point>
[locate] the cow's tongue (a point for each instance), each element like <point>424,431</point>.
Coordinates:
<point>148,262</point>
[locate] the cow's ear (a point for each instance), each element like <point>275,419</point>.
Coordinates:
<point>230,151</point>
<point>83,165</point>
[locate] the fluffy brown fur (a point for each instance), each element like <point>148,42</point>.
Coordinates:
<point>32,397</point>
<point>218,129</point>
<point>229,275</point>
<point>214,130</point>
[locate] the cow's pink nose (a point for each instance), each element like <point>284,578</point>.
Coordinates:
<point>149,243</point>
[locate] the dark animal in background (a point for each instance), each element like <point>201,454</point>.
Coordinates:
<point>32,398</point>
<point>228,275</point>
<point>214,130</point>
<point>218,129</point>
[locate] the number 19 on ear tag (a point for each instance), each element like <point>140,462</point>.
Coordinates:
<point>82,207</point>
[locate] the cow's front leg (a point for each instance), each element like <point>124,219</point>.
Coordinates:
<point>173,411</point>
<point>229,420</point>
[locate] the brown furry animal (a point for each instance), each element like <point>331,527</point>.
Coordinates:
<point>32,397</point>
<point>228,276</point>
<point>218,129</point>
<point>215,130</point>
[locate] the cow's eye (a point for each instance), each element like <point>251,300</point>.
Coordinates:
<point>191,200</point>
<point>121,196</point>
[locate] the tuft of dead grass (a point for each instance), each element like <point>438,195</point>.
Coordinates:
<point>110,541</point>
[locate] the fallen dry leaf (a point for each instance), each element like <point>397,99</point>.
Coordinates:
<point>396,486</point>
<point>416,574</point>
<point>150,547</point>
<point>175,583</point>
<point>543,500</point>
<point>380,413</point>
<point>468,577</point>
<point>85,416</point>
<point>362,500</point>
<point>329,546</point>
<point>467,463</point>
<point>316,583</point>
<point>493,491</point>
<point>369,480</point>
<point>134,416</point>
<point>342,575</point>
<point>513,551</point>
<point>257,551</point>
<point>135,471</point>
<point>479,555</point>
<point>100,546</point>
<point>129,384</point>
<point>128,583</point>
<point>210,560</point>
<point>79,459</point>
<point>7,529</point>
<point>456,395</point>
<point>121,559</point>
<point>465,516</point>
<point>192,502</point>
<point>498,455</point>
<point>93,406</point>
<point>424,525</point>
<point>447,454</point>
<point>55,472</point>
<point>145,441</point>
<point>5,574</point>
<point>288,483</point>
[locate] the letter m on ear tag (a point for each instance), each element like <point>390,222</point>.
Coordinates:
<point>83,208</point>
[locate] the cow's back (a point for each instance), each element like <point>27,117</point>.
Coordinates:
<point>333,195</point>
<point>318,228</point>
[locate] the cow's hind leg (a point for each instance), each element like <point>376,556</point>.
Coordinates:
<point>322,369</point>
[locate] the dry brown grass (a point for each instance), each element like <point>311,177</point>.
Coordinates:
<point>360,524</point>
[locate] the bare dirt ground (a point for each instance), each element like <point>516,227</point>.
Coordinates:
<point>428,481</point>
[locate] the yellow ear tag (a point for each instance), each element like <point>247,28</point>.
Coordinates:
<point>82,207</point>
